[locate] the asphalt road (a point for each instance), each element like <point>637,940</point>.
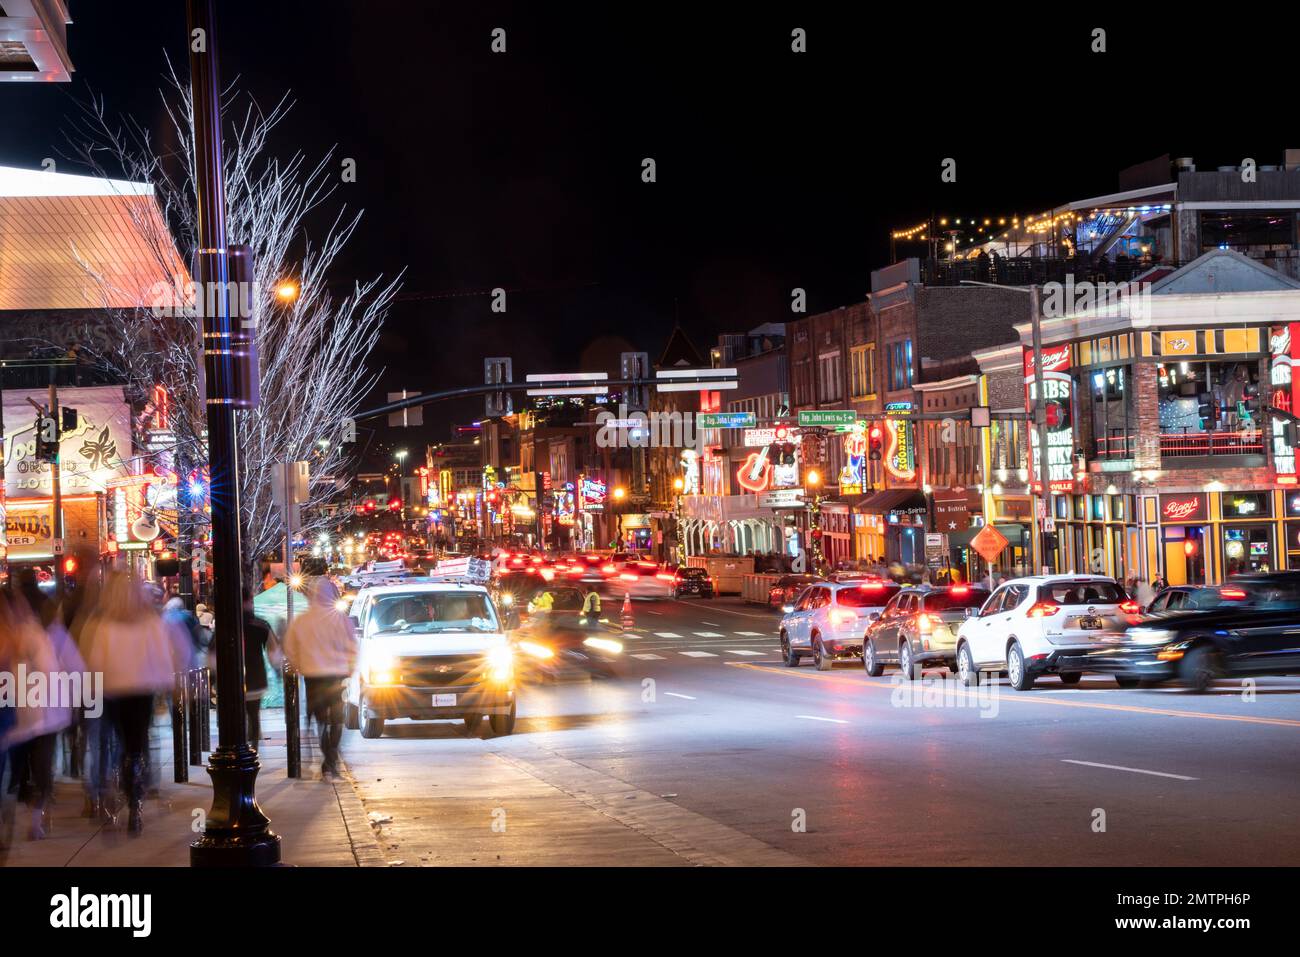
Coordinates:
<point>707,750</point>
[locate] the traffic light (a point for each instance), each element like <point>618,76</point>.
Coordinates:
<point>876,443</point>
<point>69,566</point>
<point>498,370</point>
<point>47,439</point>
<point>1208,411</point>
<point>1249,405</point>
<point>635,365</point>
<point>1052,414</point>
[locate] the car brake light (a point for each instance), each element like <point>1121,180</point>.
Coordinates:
<point>627,577</point>
<point>607,569</point>
<point>1043,609</point>
<point>842,616</point>
<point>959,589</point>
<point>925,623</point>
<point>872,586</point>
<point>1232,593</point>
<point>1129,607</point>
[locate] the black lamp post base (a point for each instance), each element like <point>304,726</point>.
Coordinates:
<point>238,834</point>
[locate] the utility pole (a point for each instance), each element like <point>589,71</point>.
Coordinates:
<point>56,488</point>
<point>237,833</point>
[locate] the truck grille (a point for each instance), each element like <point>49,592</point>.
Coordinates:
<point>440,670</point>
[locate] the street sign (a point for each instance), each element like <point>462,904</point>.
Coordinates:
<point>58,546</point>
<point>725,420</point>
<point>782,498</point>
<point>989,543</point>
<point>827,418</point>
<point>298,481</point>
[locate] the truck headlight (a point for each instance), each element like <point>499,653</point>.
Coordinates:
<point>381,670</point>
<point>501,664</point>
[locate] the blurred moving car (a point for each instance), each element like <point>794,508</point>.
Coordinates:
<point>430,651</point>
<point>560,637</point>
<point>829,621</point>
<point>919,627</point>
<point>1189,597</point>
<point>788,587</point>
<point>640,579</point>
<point>690,581</point>
<point>1037,625</point>
<point>1251,628</point>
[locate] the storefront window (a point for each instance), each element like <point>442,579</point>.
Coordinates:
<point>1111,411</point>
<point>1247,548</point>
<point>1062,505</point>
<point>1246,505</point>
<point>1080,509</point>
<point>1099,508</point>
<point>1198,398</point>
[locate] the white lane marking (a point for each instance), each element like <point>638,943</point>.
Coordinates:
<point>649,657</point>
<point>698,654</point>
<point>708,634</point>
<point>743,651</point>
<point>1118,767</point>
<point>667,634</point>
<point>712,623</point>
<point>674,694</point>
<point>753,634</point>
<point>649,612</point>
<point>813,717</point>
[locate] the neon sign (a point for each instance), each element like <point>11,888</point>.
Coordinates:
<point>898,450</point>
<point>1180,508</point>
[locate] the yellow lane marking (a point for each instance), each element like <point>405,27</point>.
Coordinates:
<point>1023,698</point>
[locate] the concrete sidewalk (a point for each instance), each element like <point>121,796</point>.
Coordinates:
<point>321,823</point>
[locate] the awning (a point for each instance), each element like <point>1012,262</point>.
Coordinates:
<point>888,500</point>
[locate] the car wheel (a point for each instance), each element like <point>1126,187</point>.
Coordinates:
<point>905,661</point>
<point>372,728</point>
<point>351,717</point>
<point>966,669</point>
<point>472,723</point>
<point>788,653</point>
<point>503,723</point>
<point>1070,677</point>
<point>1127,681</point>
<point>1200,668</point>
<point>871,660</point>
<point>820,658</point>
<point>1018,669</point>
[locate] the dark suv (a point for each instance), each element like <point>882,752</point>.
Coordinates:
<point>692,581</point>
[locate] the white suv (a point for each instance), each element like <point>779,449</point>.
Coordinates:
<point>1028,624</point>
<point>829,620</point>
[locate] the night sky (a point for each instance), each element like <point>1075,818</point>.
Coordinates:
<point>775,170</point>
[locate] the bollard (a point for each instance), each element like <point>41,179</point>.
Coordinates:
<point>205,707</point>
<point>180,767</point>
<point>292,723</point>
<point>192,706</point>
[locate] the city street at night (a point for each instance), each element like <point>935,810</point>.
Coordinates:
<point>463,463</point>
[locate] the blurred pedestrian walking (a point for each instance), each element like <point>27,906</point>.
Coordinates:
<point>322,648</point>
<point>258,641</point>
<point>127,641</point>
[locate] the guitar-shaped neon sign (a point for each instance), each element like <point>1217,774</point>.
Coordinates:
<point>755,473</point>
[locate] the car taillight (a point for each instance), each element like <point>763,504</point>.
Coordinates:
<point>842,616</point>
<point>607,569</point>
<point>1232,594</point>
<point>627,577</point>
<point>1043,609</point>
<point>926,623</point>
<point>1129,607</point>
<point>959,590</point>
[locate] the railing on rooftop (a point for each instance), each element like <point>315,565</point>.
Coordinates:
<point>1034,270</point>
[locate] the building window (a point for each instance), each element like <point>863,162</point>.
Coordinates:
<point>862,371</point>
<point>803,382</point>
<point>1204,408</point>
<point>1112,419</point>
<point>900,365</point>
<point>828,368</point>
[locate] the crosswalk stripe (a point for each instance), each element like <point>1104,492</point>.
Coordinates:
<point>648,657</point>
<point>667,634</point>
<point>743,651</point>
<point>708,634</point>
<point>752,634</point>
<point>698,654</point>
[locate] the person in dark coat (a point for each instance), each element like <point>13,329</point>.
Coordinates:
<point>257,639</point>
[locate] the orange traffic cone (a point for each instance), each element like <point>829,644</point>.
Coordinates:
<point>628,622</point>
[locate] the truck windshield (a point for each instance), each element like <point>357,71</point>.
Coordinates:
<point>425,612</point>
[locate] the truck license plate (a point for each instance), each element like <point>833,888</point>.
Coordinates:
<point>444,701</point>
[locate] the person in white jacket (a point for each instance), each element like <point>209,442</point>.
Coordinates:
<point>321,646</point>
<point>126,641</point>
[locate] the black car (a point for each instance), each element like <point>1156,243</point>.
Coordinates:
<point>1252,629</point>
<point>692,581</point>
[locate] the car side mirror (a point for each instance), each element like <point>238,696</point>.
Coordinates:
<point>787,608</point>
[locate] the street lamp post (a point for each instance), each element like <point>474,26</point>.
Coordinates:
<point>618,495</point>
<point>679,484</point>
<point>236,833</point>
<point>813,481</point>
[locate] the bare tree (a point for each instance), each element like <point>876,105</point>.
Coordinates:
<point>312,348</point>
